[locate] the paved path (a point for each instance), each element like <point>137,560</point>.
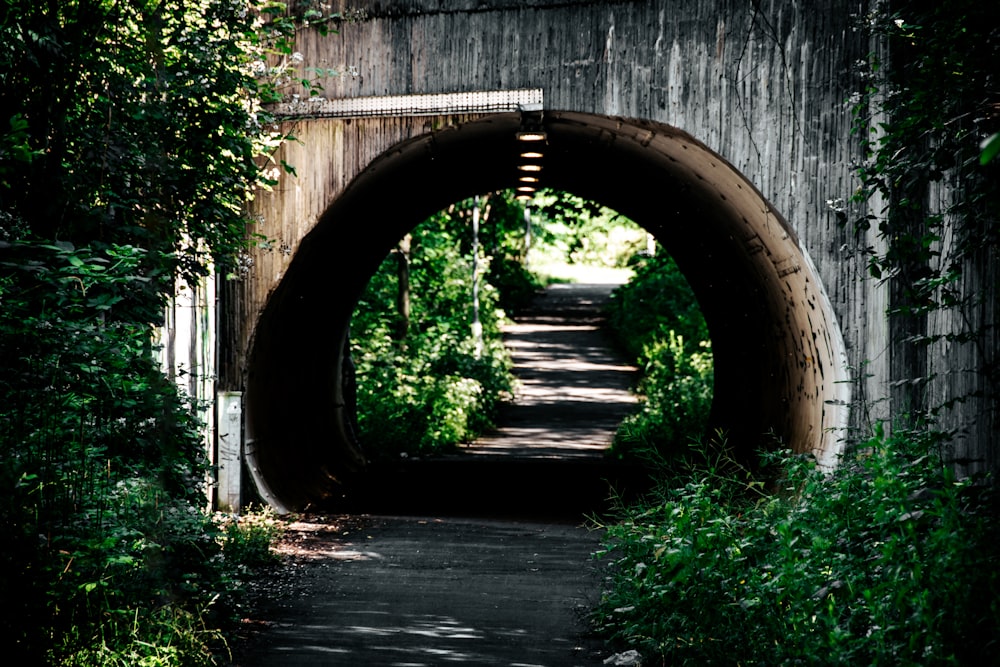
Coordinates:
<point>412,592</point>
<point>574,388</point>
<point>547,458</point>
<point>428,581</point>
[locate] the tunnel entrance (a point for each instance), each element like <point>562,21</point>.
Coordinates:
<point>779,361</point>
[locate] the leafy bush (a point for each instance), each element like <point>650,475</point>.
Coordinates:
<point>578,231</point>
<point>656,319</point>
<point>887,559</point>
<point>247,539</point>
<point>135,131</point>
<point>426,381</point>
<point>656,301</point>
<point>101,458</point>
<point>516,286</point>
<point>676,387</point>
<point>166,637</point>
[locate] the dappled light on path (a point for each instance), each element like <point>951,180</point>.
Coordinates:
<point>430,581</point>
<point>441,591</point>
<point>573,387</point>
<point>548,455</point>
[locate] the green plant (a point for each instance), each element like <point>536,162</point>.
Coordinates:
<point>655,301</point>
<point>249,537</point>
<point>433,383</point>
<point>887,559</point>
<point>928,204</point>
<point>656,320</point>
<point>676,397</point>
<point>165,637</point>
<point>578,231</point>
<point>133,138</point>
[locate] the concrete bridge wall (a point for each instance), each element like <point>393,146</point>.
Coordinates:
<point>765,86</point>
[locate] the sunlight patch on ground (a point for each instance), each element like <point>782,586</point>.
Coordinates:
<point>578,273</point>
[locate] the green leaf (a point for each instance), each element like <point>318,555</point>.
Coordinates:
<point>990,147</point>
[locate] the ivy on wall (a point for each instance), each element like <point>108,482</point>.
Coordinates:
<point>931,104</point>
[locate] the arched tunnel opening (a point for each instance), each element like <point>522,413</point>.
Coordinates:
<point>780,369</point>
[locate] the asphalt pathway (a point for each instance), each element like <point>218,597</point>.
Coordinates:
<point>409,591</point>
<point>573,386</point>
<point>482,558</point>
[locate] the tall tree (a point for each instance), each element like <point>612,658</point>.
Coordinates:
<point>131,138</point>
<point>137,122</point>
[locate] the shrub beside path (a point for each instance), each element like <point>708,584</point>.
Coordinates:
<point>480,558</point>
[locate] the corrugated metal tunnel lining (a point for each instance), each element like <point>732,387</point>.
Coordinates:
<point>779,362</point>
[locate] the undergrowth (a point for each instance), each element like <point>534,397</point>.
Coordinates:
<point>886,560</point>
<point>427,380</point>
<point>656,320</point>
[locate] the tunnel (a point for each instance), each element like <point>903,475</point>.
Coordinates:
<point>780,369</point>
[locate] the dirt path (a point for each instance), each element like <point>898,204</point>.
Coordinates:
<point>422,578</point>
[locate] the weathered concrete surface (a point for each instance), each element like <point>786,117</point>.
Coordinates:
<point>723,127</point>
<point>436,591</point>
<point>780,365</point>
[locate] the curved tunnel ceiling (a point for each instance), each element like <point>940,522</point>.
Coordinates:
<point>779,362</point>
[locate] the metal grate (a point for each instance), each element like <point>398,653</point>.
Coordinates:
<point>487,101</point>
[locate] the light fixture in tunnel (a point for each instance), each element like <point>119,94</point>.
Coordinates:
<point>531,136</point>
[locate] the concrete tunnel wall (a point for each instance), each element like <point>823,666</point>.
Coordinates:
<point>780,363</point>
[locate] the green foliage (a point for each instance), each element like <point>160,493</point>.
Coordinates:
<point>887,559</point>
<point>247,539</point>
<point>505,245</point>
<point>435,385</point>
<point>110,557</point>
<point>990,148</point>
<point>132,138</point>
<point>140,122</point>
<point>167,637</point>
<point>657,300</point>
<point>925,137</point>
<point>283,75</point>
<point>516,286</point>
<point>927,167</point>
<point>101,458</point>
<point>676,388</point>
<point>578,231</point>
<point>657,321</point>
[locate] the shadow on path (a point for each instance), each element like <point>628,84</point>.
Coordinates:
<point>422,592</point>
